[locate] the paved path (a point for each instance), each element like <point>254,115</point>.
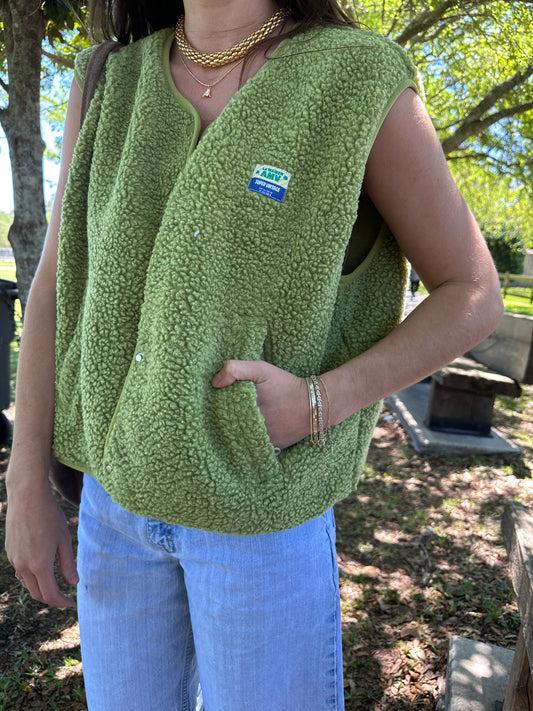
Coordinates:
<point>411,302</point>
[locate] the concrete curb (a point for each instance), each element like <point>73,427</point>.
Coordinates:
<point>411,406</point>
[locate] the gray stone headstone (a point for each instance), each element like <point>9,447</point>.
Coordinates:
<point>476,675</point>
<point>508,349</point>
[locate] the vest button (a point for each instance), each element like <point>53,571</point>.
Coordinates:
<point>109,468</point>
<point>139,357</point>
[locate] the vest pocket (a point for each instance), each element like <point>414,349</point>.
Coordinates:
<point>240,433</point>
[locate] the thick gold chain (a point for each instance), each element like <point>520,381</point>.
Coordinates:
<point>233,54</point>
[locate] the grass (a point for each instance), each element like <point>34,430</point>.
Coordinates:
<point>518,304</point>
<point>513,303</point>
<point>8,270</point>
<point>421,558</point>
<point>5,223</point>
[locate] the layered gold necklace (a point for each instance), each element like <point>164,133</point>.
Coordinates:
<point>208,87</point>
<point>233,54</point>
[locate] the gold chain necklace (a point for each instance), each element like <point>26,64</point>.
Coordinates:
<point>238,51</point>
<point>207,92</point>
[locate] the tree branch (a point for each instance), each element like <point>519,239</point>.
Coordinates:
<point>515,110</point>
<point>63,61</point>
<point>397,15</point>
<point>447,127</point>
<point>449,21</point>
<point>481,155</point>
<point>498,91</point>
<point>4,86</point>
<point>473,124</point>
<point>423,21</point>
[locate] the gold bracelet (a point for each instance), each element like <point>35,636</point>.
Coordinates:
<point>321,434</point>
<point>318,431</point>
<point>324,393</point>
<point>312,409</point>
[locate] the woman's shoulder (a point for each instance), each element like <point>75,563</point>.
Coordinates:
<point>345,36</point>
<point>351,49</point>
<point>129,54</point>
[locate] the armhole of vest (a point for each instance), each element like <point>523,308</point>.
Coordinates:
<point>408,82</point>
<point>79,78</point>
<point>373,250</point>
<point>365,232</point>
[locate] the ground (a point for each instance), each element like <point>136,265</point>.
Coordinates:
<point>420,558</point>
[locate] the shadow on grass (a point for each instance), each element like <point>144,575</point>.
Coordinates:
<point>420,558</point>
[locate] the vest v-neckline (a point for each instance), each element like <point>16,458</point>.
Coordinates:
<point>186,104</point>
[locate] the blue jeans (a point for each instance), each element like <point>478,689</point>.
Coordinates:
<point>180,619</point>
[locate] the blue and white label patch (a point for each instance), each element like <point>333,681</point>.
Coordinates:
<point>270,181</point>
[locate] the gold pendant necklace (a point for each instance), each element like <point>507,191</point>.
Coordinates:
<point>207,92</point>
<point>233,54</point>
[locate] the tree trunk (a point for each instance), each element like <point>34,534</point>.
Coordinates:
<point>21,120</point>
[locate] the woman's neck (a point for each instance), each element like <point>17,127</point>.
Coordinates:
<point>215,25</point>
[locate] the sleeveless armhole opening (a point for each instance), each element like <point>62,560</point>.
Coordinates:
<point>365,232</point>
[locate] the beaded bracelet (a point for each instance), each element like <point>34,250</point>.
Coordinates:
<point>316,414</point>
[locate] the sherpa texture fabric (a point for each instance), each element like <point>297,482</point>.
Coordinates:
<point>169,264</point>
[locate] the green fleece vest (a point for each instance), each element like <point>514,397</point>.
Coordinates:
<point>177,254</point>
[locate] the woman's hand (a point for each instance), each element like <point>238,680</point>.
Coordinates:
<point>37,533</point>
<point>36,528</point>
<point>282,398</point>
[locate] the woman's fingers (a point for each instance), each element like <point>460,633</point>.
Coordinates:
<point>253,370</point>
<point>67,563</point>
<point>42,586</point>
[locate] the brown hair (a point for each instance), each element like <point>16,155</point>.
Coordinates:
<point>129,20</point>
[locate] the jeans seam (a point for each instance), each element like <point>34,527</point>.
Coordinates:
<point>189,653</point>
<point>335,611</point>
<point>335,662</point>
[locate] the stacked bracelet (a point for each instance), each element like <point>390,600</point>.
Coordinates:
<point>316,413</point>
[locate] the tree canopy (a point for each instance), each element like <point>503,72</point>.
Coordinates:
<point>476,58</point>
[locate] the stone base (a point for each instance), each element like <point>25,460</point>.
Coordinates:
<point>476,675</point>
<point>411,407</point>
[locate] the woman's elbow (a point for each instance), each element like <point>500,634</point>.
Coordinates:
<point>491,308</point>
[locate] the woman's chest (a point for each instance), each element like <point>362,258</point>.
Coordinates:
<point>210,90</point>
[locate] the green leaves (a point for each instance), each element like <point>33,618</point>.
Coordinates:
<point>476,61</point>
<point>63,15</point>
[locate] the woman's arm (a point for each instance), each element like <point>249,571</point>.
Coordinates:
<point>36,529</point>
<point>408,180</point>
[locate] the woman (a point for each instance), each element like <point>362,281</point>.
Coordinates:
<point>212,324</point>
